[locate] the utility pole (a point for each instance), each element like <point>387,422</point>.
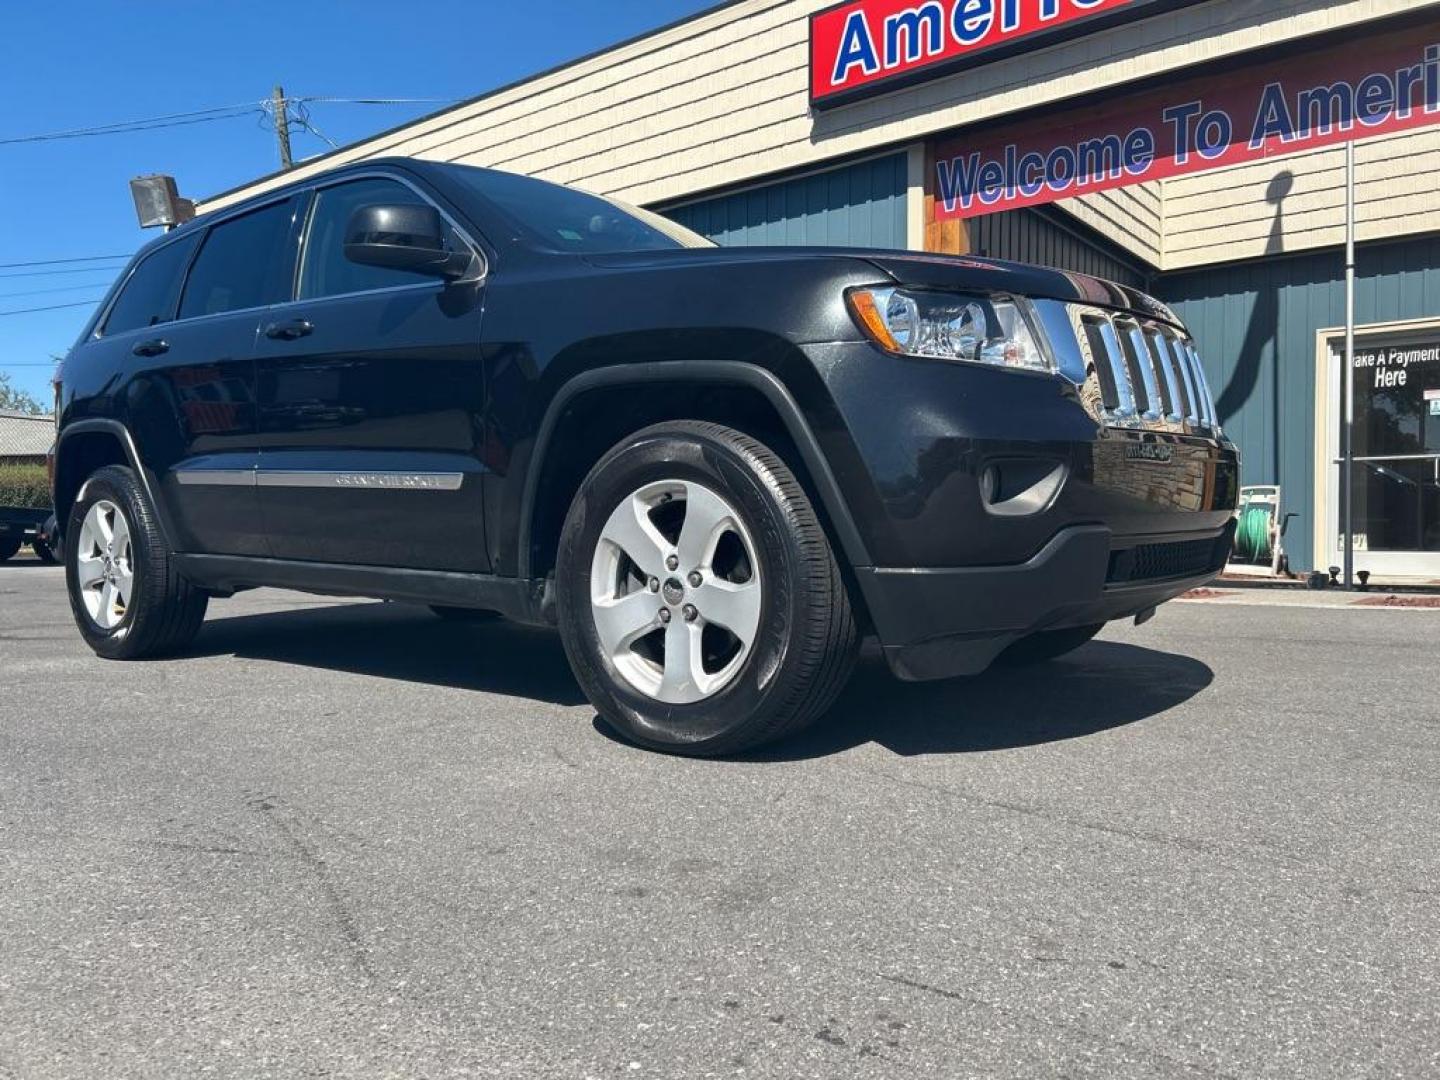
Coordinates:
<point>282,126</point>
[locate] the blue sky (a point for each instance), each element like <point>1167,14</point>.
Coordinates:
<point>100,62</point>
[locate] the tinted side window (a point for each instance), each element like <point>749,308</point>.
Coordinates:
<point>239,260</point>
<point>150,294</point>
<point>324,270</point>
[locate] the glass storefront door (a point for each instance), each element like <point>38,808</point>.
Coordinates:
<point>1395,379</point>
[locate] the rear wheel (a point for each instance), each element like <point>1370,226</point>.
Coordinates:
<point>1047,645</point>
<point>127,598</point>
<point>700,604</point>
<point>8,549</point>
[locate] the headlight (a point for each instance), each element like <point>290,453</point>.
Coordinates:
<point>951,326</point>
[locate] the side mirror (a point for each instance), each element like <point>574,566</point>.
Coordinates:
<point>403,237</point>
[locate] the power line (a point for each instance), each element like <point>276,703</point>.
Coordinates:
<point>52,273</point>
<point>125,127</point>
<point>53,307</point>
<point>54,289</point>
<point>309,126</point>
<point>205,116</point>
<point>378,101</point>
<point>302,120</point>
<point>57,262</point>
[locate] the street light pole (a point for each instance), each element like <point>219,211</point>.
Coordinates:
<point>1347,375</point>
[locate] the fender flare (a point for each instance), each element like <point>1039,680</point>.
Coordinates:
<point>132,455</point>
<point>709,371</point>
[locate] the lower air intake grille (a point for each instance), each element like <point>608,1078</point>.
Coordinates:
<point>1156,562</point>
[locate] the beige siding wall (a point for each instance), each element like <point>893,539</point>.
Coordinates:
<point>1295,203</point>
<point>1132,217</point>
<point>722,100</point>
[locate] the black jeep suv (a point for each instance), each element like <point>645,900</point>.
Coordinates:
<point>714,469</point>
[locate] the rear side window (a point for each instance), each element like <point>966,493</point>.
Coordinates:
<point>150,293</point>
<point>325,271</point>
<point>238,262</point>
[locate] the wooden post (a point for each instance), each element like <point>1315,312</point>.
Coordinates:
<point>950,237</point>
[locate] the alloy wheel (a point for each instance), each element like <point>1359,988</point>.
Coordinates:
<point>676,591</point>
<point>105,569</point>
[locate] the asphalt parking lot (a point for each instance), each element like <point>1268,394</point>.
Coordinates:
<point>346,839</point>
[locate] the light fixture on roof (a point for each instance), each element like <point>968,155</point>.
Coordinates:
<point>158,202</point>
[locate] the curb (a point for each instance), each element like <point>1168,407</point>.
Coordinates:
<point>1377,588</point>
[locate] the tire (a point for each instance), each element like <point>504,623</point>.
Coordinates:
<point>43,552</point>
<point>465,614</point>
<point>162,612</point>
<point>1047,645</point>
<point>8,549</point>
<point>780,640</point>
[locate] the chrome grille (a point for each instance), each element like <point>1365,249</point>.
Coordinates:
<point>1143,373</point>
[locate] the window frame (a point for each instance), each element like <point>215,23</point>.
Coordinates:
<point>312,193</point>
<point>304,199</point>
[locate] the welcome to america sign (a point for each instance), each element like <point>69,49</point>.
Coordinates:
<point>1381,85</point>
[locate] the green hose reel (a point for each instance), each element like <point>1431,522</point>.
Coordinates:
<point>1252,534</point>
<point>1259,529</point>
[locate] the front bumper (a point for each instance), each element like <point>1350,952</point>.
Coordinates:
<point>995,504</point>
<point>937,624</point>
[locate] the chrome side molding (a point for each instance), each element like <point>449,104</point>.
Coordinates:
<point>308,478</point>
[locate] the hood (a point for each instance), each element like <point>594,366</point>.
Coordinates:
<point>965,273</point>
<point>919,270</point>
<point>726,256</point>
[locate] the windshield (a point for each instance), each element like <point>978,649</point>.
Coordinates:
<point>563,219</point>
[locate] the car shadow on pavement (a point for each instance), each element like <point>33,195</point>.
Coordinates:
<point>398,641</point>
<point>1103,686</point>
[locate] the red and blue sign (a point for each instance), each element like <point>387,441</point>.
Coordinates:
<point>1388,84</point>
<point>863,47</point>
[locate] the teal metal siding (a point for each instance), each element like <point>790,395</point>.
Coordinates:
<point>859,205</point>
<point>1255,327</point>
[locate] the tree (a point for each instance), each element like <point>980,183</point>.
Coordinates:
<point>13,399</point>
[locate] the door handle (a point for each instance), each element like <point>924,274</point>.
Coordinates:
<point>291,330</point>
<point>154,347</point>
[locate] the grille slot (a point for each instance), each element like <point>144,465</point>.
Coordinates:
<point>1163,363</point>
<point>1100,360</point>
<point>1182,361</point>
<point>1141,368</point>
<point>1147,375</point>
<point>1156,562</point>
<point>1202,387</point>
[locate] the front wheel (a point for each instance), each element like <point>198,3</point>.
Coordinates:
<point>700,604</point>
<point>127,598</point>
